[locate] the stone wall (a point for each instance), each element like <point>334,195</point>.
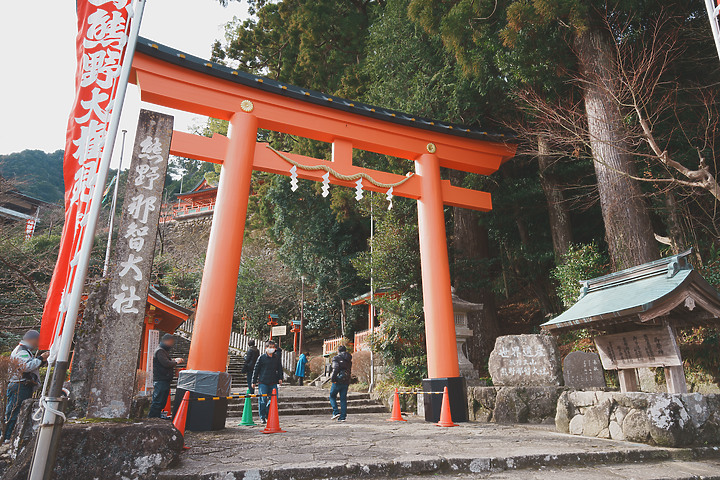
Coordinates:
<point>513,404</point>
<point>408,403</point>
<point>108,450</point>
<point>653,418</point>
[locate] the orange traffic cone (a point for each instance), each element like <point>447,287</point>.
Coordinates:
<point>181,414</point>
<point>396,414</point>
<point>273,420</point>
<point>168,407</point>
<point>445,415</point>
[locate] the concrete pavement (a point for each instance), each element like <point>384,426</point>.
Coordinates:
<point>367,446</point>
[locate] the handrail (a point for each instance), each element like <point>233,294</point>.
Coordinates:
<point>361,338</point>
<point>331,345</point>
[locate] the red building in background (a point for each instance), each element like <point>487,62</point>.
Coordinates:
<point>198,202</point>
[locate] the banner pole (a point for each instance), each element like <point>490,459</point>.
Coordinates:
<point>43,459</point>
<point>113,206</point>
<point>712,12</point>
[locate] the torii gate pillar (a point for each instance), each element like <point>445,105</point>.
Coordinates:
<point>443,369</point>
<point>437,294</point>
<point>206,373</point>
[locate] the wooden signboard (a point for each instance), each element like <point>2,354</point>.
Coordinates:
<point>279,331</point>
<point>652,347</point>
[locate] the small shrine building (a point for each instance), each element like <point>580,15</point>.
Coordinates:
<point>634,316</point>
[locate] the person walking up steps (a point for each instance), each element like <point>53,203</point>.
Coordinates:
<point>249,367</point>
<point>267,376</point>
<point>340,376</point>
<point>300,368</point>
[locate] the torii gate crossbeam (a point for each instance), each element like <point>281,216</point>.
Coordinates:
<point>171,78</point>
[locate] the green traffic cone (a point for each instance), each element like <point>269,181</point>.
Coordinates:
<point>247,417</point>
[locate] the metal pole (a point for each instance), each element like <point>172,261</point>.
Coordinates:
<point>372,295</point>
<point>43,460</point>
<point>112,208</point>
<point>713,17</point>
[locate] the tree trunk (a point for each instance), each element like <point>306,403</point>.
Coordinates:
<point>471,243</point>
<point>558,214</point>
<point>628,230</point>
<point>674,223</point>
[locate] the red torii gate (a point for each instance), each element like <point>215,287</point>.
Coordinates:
<point>174,79</point>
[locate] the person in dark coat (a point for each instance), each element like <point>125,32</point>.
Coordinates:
<point>340,376</point>
<point>251,357</point>
<point>163,373</point>
<point>267,376</point>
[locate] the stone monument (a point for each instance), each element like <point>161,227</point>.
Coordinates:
<point>525,360</point>
<point>527,378</point>
<point>583,371</point>
<point>106,356</point>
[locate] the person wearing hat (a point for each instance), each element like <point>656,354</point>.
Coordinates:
<point>26,380</point>
<point>251,357</point>
<point>163,373</point>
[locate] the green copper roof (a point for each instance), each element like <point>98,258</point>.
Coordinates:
<point>630,292</point>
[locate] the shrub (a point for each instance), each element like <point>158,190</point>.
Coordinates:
<point>361,366</point>
<point>316,365</point>
<point>402,342</point>
<point>581,262</point>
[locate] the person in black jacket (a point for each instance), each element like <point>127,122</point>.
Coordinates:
<point>163,372</point>
<point>251,357</point>
<point>267,376</point>
<point>340,376</point>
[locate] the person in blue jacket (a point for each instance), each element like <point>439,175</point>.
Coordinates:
<point>300,368</point>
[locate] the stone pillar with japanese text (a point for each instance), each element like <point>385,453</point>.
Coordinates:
<point>113,376</point>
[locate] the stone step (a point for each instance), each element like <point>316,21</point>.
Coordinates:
<point>670,470</point>
<point>326,410</point>
<point>285,405</point>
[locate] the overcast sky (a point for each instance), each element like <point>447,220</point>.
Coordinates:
<point>37,42</point>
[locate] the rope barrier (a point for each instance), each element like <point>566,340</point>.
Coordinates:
<point>257,395</point>
<point>418,392</point>
<point>347,178</point>
<point>230,397</point>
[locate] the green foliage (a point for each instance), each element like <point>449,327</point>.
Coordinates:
<point>265,285</point>
<point>395,259</point>
<point>187,173</point>
<point>314,242</point>
<point>711,269</point>
<point>700,350</point>
<point>402,341</point>
<point>314,44</point>
<point>35,173</point>
<point>581,262</point>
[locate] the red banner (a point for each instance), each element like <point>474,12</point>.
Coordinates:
<point>30,228</point>
<point>103,27</point>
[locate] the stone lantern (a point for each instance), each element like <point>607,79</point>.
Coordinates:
<point>461,308</point>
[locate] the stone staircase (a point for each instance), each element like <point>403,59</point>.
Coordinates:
<point>311,401</point>
<point>292,400</point>
<point>235,364</point>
